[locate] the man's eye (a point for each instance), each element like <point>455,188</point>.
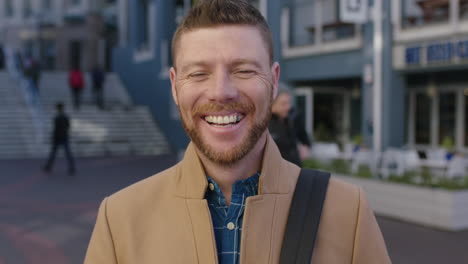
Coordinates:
<point>198,75</point>
<point>245,73</point>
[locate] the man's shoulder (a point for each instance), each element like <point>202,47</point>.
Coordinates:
<point>150,189</point>
<point>341,194</point>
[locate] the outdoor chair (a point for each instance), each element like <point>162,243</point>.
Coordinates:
<point>456,167</point>
<point>392,163</point>
<point>365,158</point>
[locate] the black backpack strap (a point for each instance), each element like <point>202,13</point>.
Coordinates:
<point>304,217</point>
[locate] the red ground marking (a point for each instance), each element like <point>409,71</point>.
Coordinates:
<point>35,248</point>
<point>21,185</point>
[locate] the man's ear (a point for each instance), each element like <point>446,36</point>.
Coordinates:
<point>275,73</point>
<point>173,77</point>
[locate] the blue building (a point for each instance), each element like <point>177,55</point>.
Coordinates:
<point>397,79</point>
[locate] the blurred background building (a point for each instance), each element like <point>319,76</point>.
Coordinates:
<point>61,33</point>
<point>395,77</point>
<point>330,64</point>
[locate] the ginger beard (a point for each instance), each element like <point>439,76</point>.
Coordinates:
<point>257,125</point>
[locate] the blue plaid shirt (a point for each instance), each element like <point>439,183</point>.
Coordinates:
<point>227,221</point>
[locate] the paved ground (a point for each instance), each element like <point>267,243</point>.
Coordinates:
<point>48,219</point>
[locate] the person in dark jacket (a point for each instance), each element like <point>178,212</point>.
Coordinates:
<point>60,138</point>
<point>98,77</point>
<point>282,128</point>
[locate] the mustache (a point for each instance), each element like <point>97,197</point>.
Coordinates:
<point>237,106</point>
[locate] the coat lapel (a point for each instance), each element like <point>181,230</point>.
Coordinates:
<point>266,214</point>
<point>191,185</point>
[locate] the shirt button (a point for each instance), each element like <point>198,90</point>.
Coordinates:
<point>231,226</point>
<point>211,186</point>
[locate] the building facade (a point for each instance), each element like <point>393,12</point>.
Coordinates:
<point>60,33</point>
<point>397,78</point>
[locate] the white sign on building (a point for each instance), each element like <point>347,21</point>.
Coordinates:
<point>353,11</point>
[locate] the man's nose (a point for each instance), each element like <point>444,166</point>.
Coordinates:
<point>223,88</point>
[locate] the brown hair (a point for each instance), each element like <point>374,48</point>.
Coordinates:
<point>212,13</point>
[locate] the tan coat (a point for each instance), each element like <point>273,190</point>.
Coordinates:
<point>165,219</point>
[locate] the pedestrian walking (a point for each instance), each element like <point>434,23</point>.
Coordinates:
<point>76,83</point>
<point>98,78</point>
<point>60,138</point>
<point>230,199</point>
<point>32,72</point>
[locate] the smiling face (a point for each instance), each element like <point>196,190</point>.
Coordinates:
<point>224,84</point>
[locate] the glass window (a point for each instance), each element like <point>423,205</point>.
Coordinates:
<point>447,117</point>
<point>9,11</point>
<point>46,4</point>
<point>328,117</point>
<point>143,24</point>
<point>302,23</point>
<point>332,28</point>
<point>27,9</point>
<point>423,119</point>
<point>182,7</point>
<point>423,12</point>
<point>466,117</point>
<point>464,9</point>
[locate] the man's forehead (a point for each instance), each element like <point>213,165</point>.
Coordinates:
<point>220,39</point>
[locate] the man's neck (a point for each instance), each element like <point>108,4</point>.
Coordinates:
<point>225,176</point>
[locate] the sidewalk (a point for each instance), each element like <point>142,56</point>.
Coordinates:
<point>49,219</point>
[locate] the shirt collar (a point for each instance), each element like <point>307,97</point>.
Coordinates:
<point>246,187</point>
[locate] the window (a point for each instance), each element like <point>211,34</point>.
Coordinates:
<point>9,11</point>
<point>143,24</point>
<point>75,2</point>
<point>466,117</point>
<point>302,23</point>
<point>46,4</point>
<point>447,117</point>
<point>423,12</point>
<point>464,9</point>
<point>423,119</point>
<point>333,29</point>
<point>27,9</point>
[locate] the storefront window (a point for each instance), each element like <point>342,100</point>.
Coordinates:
<point>464,9</point>
<point>9,11</point>
<point>143,24</point>
<point>424,12</point>
<point>332,28</point>
<point>302,23</point>
<point>328,117</point>
<point>447,118</point>
<point>466,117</point>
<point>423,119</point>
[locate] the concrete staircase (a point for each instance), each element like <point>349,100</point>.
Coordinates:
<point>122,129</point>
<point>17,132</point>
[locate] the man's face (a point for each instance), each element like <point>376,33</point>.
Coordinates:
<point>223,85</point>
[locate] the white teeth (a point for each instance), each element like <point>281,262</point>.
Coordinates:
<point>223,120</point>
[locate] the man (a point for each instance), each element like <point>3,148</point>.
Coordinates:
<point>282,128</point>
<point>60,138</point>
<point>227,201</point>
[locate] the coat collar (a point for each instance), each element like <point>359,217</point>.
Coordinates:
<point>191,182</point>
